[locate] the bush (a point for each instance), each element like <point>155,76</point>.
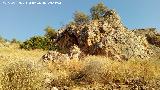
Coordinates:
<point>21,75</point>
<point>38,42</point>
<point>98,11</point>
<point>80,18</point>
<point>41,42</point>
<point>50,33</point>
<point>14,41</point>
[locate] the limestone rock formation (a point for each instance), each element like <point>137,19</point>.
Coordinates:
<point>153,38</point>
<point>107,37</point>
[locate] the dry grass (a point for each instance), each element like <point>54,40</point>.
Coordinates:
<point>100,72</point>
<point>11,58</point>
<point>93,72</point>
<point>22,75</point>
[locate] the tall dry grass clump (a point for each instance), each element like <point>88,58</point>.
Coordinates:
<point>21,75</point>
<point>62,72</point>
<point>97,72</point>
<point>141,74</point>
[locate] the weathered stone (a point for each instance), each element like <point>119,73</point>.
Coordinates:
<point>74,52</point>
<point>55,56</point>
<point>107,37</point>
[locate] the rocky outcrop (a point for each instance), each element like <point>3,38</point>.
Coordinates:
<point>107,37</point>
<point>152,36</point>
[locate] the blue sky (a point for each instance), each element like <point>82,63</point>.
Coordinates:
<point>24,21</point>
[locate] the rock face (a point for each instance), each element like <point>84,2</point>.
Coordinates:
<point>152,36</point>
<point>107,37</point>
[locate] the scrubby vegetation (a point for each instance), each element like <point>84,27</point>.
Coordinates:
<point>23,68</point>
<point>80,18</point>
<point>98,11</point>
<point>14,40</point>
<point>21,75</point>
<point>96,70</point>
<point>41,42</point>
<point>92,72</point>
<point>36,42</point>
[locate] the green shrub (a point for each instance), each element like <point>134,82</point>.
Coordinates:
<point>21,75</point>
<point>38,42</point>
<point>41,42</point>
<point>80,18</point>
<point>98,11</point>
<point>50,33</point>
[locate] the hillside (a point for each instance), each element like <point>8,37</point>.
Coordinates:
<point>93,72</point>
<point>100,53</point>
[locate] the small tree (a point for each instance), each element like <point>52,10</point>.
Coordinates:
<point>50,33</point>
<point>14,41</point>
<point>80,17</point>
<point>98,11</point>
